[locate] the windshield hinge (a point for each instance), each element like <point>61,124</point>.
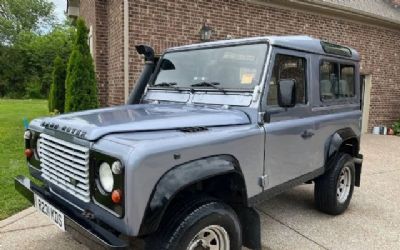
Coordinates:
<point>191,96</point>
<point>256,93</point>
<point>263,181</point>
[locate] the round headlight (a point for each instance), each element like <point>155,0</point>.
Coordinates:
<point>106,177</point>
<point>116,167</point>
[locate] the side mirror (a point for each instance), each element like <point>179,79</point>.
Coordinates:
<point>287,93</point>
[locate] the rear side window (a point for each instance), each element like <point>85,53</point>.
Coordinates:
<point>288,67</point>
<point>337,81</point>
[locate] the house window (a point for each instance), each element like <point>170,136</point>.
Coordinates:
<point>90,39</point>
<point>337,81</point>
<point>288,67</point>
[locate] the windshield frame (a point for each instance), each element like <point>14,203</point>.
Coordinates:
<point>153,78</point>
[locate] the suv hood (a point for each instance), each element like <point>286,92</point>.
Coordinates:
<point>93,124</point>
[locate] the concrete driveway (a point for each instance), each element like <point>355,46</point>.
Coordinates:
<point>290,220</point>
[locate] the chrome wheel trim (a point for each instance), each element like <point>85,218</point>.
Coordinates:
<point>213,237</point>
<point>343,185</point>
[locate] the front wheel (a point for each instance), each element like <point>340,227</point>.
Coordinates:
<point>212,225</point>
<point>334,189</point>
<point>210,237</point>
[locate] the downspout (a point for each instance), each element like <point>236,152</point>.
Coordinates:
<point>126,50</point>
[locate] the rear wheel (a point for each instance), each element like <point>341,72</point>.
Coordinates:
<point>206,224</point>
<point>334,189</point>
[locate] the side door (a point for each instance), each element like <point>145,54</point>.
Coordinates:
<point>289,144</point>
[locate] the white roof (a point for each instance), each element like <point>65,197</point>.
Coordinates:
<point>302,43</point>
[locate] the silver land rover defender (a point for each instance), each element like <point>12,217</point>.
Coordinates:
<point>209,131</point>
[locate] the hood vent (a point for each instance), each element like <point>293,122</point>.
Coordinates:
<point>193,129</point>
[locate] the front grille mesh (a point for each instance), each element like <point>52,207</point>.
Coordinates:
<point>65,165</point>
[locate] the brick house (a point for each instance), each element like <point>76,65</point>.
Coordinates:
<point>371,26</point>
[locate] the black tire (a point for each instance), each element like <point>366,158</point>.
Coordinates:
<point>328,196</point>
<point>181,226</point>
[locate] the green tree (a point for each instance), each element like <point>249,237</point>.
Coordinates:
<point>57,88</point>
<point>81,85</point>
<point>24,15</point>
<point>30,39</point>
<point>27,65</point>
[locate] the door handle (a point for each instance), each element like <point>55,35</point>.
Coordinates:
<point>307,134</point>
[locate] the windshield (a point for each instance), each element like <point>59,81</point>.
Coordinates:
<point>236,67</point>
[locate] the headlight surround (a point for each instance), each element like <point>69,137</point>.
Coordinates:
<point>32,144</point>
<point>38,148</point>
<point>101,189</point>
<point>106,177</point>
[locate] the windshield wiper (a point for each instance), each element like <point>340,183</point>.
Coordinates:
<point>167,84</point>
<point>208,84</point>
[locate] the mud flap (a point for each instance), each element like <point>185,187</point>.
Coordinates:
<point>358,166</point>
<point>251,227</point>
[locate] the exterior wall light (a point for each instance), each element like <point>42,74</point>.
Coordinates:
<point>72,9</point>
<point>205,32</point>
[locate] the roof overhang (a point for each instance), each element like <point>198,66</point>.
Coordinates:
<point>323,7</point>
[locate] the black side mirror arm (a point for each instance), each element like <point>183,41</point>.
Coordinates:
<point>267,117</point>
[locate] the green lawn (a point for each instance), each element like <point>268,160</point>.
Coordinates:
<point>12,160</point>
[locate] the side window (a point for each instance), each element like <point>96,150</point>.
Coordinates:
<point>288,67</point>
<point>328,80</point>
<point>347,81</point>
<point>336,81</point>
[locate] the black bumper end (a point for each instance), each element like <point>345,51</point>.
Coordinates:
<point>86,231</point>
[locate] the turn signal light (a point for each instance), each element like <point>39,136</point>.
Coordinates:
<point>28,152</point>
<point>116,196</point>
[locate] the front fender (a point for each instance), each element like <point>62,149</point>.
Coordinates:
<point>179,177</point>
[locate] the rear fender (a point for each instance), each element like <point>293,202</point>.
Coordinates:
<point>339,137</point>
<point>344,140</point>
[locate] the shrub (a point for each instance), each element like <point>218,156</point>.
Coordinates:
<point>57,88</point>
<point>33,89</point>
<point>81,86</point>
<point>51,98</point>
<point>396,128</point>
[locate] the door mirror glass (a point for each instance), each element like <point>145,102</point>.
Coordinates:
<point>287,93</point>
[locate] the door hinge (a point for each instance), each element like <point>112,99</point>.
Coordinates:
<point>263,181</point>
<point>260,118</point>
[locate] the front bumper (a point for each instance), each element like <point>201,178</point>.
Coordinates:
<point>86,230</point>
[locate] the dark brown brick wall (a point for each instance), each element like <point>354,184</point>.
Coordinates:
<point>166,23</point>
<point>395,2</point>
<point>116,52</point>
<point>101,49</point>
